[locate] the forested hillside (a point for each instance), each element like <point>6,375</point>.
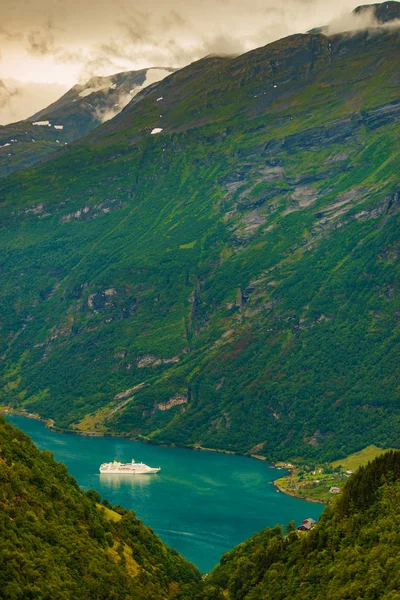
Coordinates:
<point>57,543</point>
<point>353,552</point>
<point>218,265</point>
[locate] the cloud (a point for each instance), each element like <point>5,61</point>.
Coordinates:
<point>9,35</point>
<point>6,95</point>
<point>41,41</point>
<point>104,113</point>
<point>110,34</point>
<point>66,42</point>
<point>357,21</point>
<point>20,100</point>
<point>173,19</point>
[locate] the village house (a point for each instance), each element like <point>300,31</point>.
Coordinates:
<point>307,524</point>
<point>334,490</point>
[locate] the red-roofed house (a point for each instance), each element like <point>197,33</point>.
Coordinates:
<point>307,524</point>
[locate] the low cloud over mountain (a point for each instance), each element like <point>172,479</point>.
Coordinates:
<point>46,42</point>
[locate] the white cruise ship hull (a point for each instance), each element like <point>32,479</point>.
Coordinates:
<point>137,471</point>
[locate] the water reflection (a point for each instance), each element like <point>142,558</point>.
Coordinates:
<point>118,480</point>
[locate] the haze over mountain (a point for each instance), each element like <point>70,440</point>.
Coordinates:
<point>45,43</point>
<point>77,112</point>
<point>20,99</point>
<point>218,264</point>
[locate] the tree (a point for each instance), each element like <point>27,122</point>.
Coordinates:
<point>291,526</point>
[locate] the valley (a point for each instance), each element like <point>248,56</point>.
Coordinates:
<point>202,504</point>
<point>200,270</point>
<point>50,527</point>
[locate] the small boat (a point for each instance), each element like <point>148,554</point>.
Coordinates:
<point>132,468</point>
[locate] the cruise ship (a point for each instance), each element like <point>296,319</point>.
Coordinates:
<point>132,468</point>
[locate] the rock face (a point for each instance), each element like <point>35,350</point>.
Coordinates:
<point>176,401</point>
<point>252,247</point>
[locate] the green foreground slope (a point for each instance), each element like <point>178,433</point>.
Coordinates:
<point>57,544</point>
<point>353,552</point>
<point>230,282</point>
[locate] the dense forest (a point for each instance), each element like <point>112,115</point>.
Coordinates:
<point>353,552</point>
<point>59,543</point>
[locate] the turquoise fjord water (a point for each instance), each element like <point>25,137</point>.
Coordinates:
<point>201,503</point>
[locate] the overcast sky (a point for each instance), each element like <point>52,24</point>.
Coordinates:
<point>61,42</point>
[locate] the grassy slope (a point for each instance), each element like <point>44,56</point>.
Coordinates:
<point>245,260</point>
<point>56,543</point>
<point>314,482</point>
<point>358,459</point>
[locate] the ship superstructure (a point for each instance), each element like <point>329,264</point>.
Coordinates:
<point>132,468</point>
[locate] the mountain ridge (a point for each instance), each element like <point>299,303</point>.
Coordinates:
<point>384,12</point>
<point>77,112</point>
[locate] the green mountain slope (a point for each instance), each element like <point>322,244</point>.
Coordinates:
<point>352,553</point>
<point>231,281</point>
<point>57,544</point>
